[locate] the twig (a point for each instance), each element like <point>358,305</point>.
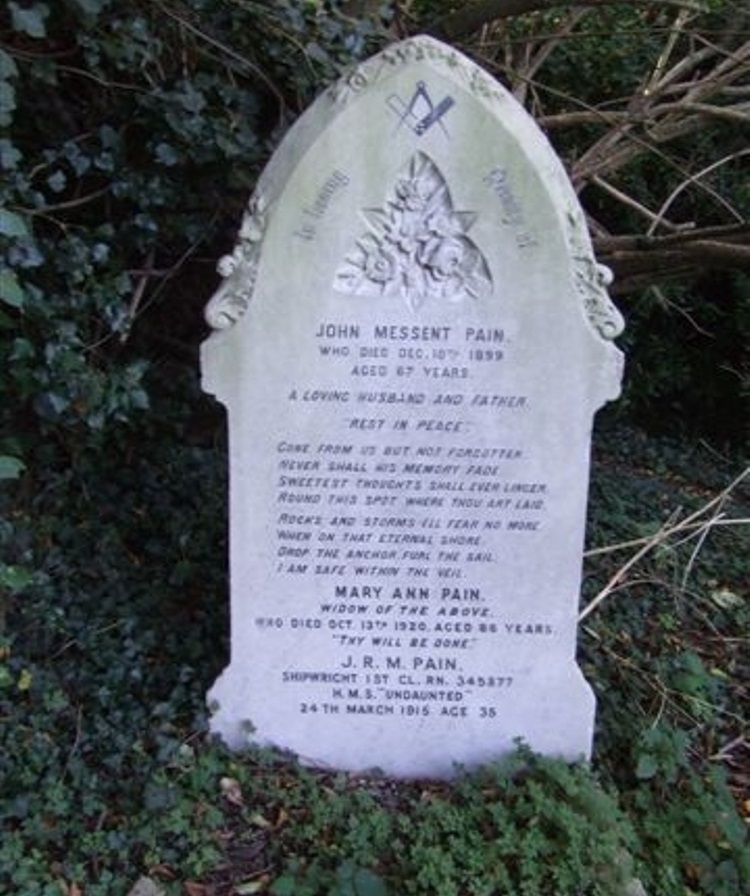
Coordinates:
<point>632,203</point>
<point>70,203</point>
<point>726,751</point>
<point>661,63</point>
<point>615,580</point>
<point>663,534</point>
<point>232,54</point>
<point>138,295</point>
<point>692,179</point>
<point>76,740</point>
<point>623,545</point>
<point>469,18</point>
<point>536,59</point>
<point>702,536</point>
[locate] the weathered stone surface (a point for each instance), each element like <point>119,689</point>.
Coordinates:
<point>412,339</point>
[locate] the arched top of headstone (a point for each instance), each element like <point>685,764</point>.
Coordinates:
<point>415,86</point>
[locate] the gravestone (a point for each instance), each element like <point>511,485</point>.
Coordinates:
<point>412,337</point>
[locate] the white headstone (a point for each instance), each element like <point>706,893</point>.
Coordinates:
<point>412,339</point>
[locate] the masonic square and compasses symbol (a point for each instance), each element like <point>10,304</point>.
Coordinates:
<point>420,113</point>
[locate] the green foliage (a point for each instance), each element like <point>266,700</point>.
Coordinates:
<point>99,688</point>
<point>526,826</point>
<point>686,353</point>
<point>10,467</point>
<point>664,653</point>
<point>347,880</point>
<point>106,773</point>
<point>109,109</point>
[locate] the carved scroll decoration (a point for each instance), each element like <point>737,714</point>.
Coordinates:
<point>416,246</point>
<point>239,270</point>
<point>592,280</point>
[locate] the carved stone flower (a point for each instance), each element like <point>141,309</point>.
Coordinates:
<point>416,246</point>
<point>457,268</point>
<point>413,193</point>
<point>448,257</point>
<point>405,232</point>
<point>380,265</point>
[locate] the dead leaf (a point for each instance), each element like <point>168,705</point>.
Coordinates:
<point>259,821</point>
<point>726,599</point>
<point>164,872</point>
<point>230,788</point>
<point>194,889</point>
<point>69,889</point>
<point>250,887</point>
<point>146,887</point>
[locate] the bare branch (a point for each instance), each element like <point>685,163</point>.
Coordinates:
<point>739,114</point>
<point>571,119</point>
<point>228,52</point>
<point>635,259</point>
<point>69,203</point>
<point>709,515</point>
<point>473,16</point>
<point>535,60</point>
<point>655,218</point>
<point>661,63</point>
<point>691,180</point>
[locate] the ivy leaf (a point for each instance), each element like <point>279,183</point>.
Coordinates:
<point>285,885</point>
<point>7,103</point>
<point>367,883</point>
<point>10,289</point>
<point>354,881</point>
<point>8,67</point>
<point>647,767</point>
<point>15,578</point>
<point>92,7</point>
<point>166,154</point>
<point>57,182</point>
<point>9,155</point>
<point>29,19</point>
<point>316,52</point>
<point>250,887</point>
<point>12,224</point>
<point>10,468</point>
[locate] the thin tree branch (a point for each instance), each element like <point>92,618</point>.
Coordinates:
<point>654,217</point>
<point>665,532</point>
<point>70,203</point>
<point>535,60</point>
<point>691,180</point>
<point>227,51</point>
<point>471,17</point>
<point>639,261</point>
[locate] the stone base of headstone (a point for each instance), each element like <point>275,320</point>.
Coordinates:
<point>550,712</point>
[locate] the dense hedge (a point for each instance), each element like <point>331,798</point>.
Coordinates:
<point>132,135</point>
